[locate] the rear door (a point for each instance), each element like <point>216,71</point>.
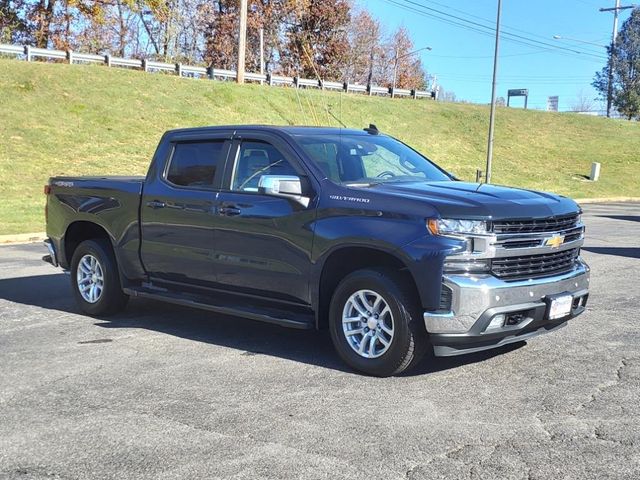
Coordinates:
<point>178,210</point>
<point>263,242</point>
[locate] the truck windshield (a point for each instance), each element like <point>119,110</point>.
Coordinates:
<point>353,159</point>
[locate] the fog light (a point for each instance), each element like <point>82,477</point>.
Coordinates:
<point>452,265</point>
<point>496,322</point>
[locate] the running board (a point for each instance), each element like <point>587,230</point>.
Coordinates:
<point>266,314</point>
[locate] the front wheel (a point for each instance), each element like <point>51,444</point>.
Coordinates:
<point>95,280</point>
<point>374,325</point>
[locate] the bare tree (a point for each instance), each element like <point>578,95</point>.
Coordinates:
<point>582,103</point>
<point>447,96</point>
<point>410,73</point>
<point>365,50</point>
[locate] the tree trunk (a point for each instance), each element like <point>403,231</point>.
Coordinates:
<point>44,14</point>
<point>122,34</point>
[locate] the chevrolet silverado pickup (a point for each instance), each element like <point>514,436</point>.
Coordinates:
<point>314,228</point>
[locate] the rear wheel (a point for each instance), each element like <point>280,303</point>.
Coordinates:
<point>374,323</point>
<point>95,280</point>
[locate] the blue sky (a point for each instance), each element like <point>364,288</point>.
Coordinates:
<point>462,59</point>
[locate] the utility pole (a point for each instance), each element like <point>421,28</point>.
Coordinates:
<point>612,53</point>
<point>615,11</point>
<point>242,41</point>
<point>487,174</point>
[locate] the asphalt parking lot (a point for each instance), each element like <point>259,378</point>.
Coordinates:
<point>163,392</point>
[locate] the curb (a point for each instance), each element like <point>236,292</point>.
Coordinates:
<point>607,200</point>
<point>22,238</point>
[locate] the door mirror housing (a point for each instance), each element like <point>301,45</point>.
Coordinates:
<point>284,186</point>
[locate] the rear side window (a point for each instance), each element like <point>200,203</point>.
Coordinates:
<point>194,164</point>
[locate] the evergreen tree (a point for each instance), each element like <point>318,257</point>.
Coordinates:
<point>624,61</point>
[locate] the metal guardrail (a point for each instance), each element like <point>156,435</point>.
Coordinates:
<point>30,53</point>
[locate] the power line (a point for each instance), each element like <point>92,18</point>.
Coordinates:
<point>489,31</point>
<point>490,23</point>
<point>492,30</point>
<point>489,56</point>
<point>517,76</point>
<point>445,79</point>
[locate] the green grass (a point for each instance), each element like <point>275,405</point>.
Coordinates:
<point>58,119</point>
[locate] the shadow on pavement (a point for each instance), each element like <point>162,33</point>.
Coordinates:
<point>253,338</point>
<point>628,218</point>
<point>631,252</point>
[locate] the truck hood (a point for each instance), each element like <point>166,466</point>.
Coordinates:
<point>475,200</point>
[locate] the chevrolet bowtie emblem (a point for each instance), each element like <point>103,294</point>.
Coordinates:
<point>555,241</point>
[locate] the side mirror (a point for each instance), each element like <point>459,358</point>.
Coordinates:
<point>285,186</point>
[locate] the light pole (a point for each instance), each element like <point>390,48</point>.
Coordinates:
<point>560,37</point>
<point>487,175</point>
<point>395,65</point>
<point>242,41</point>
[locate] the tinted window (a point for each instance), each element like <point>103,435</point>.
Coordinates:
<point>194,164</point>
<point>368,158</point>
<point>256,159</point>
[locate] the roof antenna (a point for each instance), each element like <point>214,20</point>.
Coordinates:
<point>373,130</point>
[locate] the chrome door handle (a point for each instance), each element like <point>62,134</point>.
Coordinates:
<point>156,204</point>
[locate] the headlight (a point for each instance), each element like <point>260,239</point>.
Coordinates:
<point>450,226</point>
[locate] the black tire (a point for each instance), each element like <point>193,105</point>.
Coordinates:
<point>409,341</point>
<point>111,299</point>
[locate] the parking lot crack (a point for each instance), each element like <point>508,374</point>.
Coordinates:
<point>600,389</point>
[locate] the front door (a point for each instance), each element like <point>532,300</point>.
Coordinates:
<point>178,211</point>
<point>263,242</point>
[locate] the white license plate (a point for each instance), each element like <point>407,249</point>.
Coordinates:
<point>560,307</point>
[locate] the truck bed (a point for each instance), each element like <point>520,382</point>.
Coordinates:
<point>112,202</point>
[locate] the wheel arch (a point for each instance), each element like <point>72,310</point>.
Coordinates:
<point>79,231</point>
<point>345,260</point>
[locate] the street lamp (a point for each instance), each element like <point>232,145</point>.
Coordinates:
<point>395,65</point>
<point>560,37</point>
<point>609,64</point>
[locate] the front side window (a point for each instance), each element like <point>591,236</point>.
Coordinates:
<point>255,159</point>
<point>353,158</point>
<point>194,164</point>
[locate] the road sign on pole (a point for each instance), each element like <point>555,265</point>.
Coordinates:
<point>552,103</point>
<point>518,92</point>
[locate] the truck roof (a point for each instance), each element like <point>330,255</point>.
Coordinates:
<point>286,129</point>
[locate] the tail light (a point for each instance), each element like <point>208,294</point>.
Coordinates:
<point>47,189</point>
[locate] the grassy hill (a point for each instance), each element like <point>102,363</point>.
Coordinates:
<point>61,119</point>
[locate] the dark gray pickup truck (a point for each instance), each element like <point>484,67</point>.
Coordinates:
<point>324,228</point>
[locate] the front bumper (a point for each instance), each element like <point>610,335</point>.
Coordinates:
<point>478,299</point>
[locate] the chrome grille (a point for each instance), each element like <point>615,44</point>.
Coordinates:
<point>531,266</point>
<point>550,224</point>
